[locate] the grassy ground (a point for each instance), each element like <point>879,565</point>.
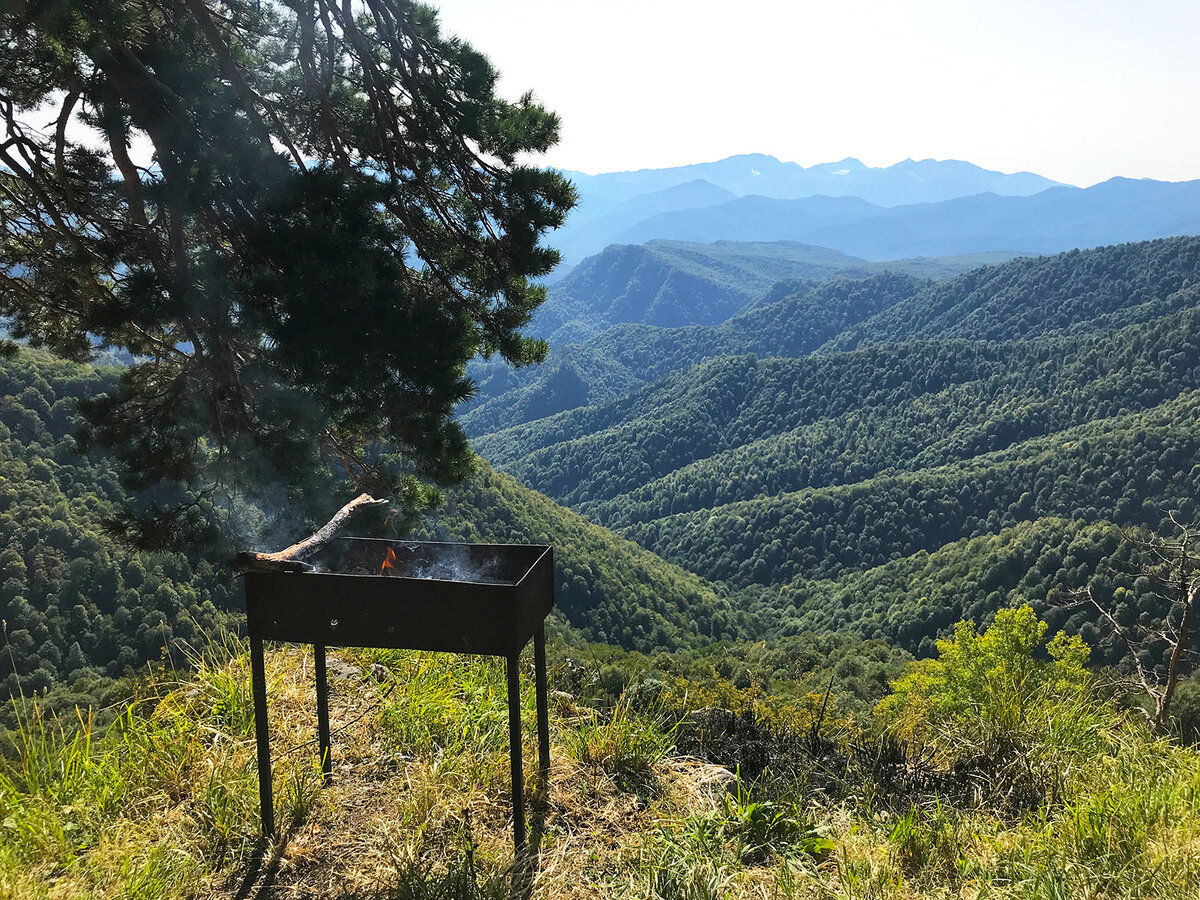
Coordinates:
<point>163,803</point>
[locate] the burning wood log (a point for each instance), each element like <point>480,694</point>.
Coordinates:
<point>290,559</point>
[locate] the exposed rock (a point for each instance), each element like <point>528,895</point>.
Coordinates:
<point>340,670</point>
<point>713,782</point>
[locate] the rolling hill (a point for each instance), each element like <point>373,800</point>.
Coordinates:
<point>1126,469</point>
<point>594,360</point>
<point>1032,401</point>
<point>791,319</point>
<point>80,608</point>
<point>1092,290</point>
<point>673,283</point>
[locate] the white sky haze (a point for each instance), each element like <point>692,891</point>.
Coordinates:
<point>1076,91</point>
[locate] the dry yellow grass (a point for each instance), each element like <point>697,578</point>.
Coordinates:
<point>166,807</point>
<point>383,815</point>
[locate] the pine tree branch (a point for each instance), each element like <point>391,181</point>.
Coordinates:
<point>229,68</point>
<point>60,143</point>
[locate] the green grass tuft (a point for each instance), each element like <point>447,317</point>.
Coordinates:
<point>626,744</point>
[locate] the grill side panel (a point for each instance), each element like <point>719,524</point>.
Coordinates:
<point>393,613</point>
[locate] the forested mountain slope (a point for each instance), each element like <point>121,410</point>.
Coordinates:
<point>673,283</point>
<point>75,603</point>
<point>792,319</point>
<point>1102,288</point>
<point>1129,469</point>
<point>78,606</point>
<point>594,360</point>
<point>785,424</point>
<point>725,403</point>
<point>1010,408</point>
<point>598,452</point>
<point>911,600</point>
<point>607,587</point>
<point>1029,389</point>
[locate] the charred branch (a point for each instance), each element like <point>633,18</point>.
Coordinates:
<point>291,559</point>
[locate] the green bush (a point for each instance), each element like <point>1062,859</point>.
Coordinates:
<point>981,684</point>
<point>1019,726</point>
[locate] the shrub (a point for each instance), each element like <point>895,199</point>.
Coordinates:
<point>1016,726</point>
<point>927,845</point>
<point>992,680</point>
<point>762,827</point>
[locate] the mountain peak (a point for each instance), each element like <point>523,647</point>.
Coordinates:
<point>623,207</point>
<point>749,157</point>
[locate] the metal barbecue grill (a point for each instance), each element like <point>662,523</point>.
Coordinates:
<point>487,599</point>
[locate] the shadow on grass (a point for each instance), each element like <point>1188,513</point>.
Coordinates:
<point>262,868</point>
<point>461,880</point>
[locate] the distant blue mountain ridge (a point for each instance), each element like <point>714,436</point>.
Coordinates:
<point>614,202</point>
<point>913,208</point>
<point>910,181</point>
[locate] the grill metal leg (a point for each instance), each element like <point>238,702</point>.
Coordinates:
<point>262,737</point>
<point>514,752</point>
<point>543,712</point>
<point>323,715</point>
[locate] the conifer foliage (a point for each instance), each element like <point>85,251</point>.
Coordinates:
<point>302,218</point>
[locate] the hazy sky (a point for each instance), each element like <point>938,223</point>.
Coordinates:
<point>1077,91</point>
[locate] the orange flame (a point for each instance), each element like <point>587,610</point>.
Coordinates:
<point>389,562</point>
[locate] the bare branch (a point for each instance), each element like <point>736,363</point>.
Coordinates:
<point>60,141</point>
<point>1121,633</point>
<point>291,558</point>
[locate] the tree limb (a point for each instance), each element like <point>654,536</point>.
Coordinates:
<point>1187,600</point>
<point>60,143</point>
<point>290,559</point>
<point>229,68</point>
<point>1120,632</point>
